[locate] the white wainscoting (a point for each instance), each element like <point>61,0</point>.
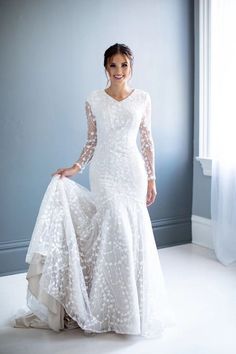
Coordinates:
<point>201,231</point>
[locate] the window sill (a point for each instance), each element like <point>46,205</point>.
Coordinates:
<point>206,164</point>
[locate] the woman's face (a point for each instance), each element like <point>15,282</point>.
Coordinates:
<point>119,69</point>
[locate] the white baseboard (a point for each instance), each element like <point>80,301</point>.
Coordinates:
<point>201,231</point>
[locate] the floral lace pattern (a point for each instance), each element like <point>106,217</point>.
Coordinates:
<point>89,147</point>
<point>147,144</point>
<point>93,252</point>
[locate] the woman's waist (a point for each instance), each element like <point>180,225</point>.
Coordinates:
<point>119,148</point>
<point>118,157</point>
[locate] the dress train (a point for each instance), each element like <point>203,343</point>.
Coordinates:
<point>83,274</point>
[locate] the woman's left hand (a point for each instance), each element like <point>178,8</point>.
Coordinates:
<point>151,192</point>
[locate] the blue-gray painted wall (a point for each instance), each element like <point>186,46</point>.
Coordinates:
<point>51,58</point>
<point>201,183</point>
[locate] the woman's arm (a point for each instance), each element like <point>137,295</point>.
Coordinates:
<point>147,149</point>
<point>147,145</point>
<point>89,147</point>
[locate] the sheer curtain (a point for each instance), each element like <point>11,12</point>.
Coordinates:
<point>223,129</point>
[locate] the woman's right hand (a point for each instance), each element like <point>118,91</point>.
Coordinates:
<point>67,172</point>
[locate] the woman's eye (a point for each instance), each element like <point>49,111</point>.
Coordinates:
<point>112,65</point>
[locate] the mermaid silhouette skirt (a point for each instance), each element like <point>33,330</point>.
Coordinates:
<point>93,263</point>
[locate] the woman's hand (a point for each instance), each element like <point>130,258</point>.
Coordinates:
<point>66,172</point>
<point>151,192</point>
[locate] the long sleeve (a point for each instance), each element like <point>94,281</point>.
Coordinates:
<point>147,145</point>
<point>89,147</point>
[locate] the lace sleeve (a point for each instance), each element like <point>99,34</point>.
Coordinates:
<point>147,145</point>
<point>89,147</point>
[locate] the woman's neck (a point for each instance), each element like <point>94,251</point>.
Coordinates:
<point>119,91</point>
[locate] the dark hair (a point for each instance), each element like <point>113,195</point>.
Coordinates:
<point>118,48</point>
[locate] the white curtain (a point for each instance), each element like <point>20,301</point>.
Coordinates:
<point>223,129</point>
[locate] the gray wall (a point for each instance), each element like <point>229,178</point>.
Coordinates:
<point>201,183</point>
<point>51,58</point>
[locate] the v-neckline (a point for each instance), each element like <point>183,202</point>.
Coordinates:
<point>124,99</point>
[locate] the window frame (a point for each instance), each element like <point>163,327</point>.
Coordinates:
<point>204,28</point>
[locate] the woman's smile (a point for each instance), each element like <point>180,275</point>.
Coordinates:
<point>118,77</point>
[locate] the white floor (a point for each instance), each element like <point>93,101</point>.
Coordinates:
<point>202,292</point>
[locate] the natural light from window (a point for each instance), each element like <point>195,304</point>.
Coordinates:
<point>222,128</point>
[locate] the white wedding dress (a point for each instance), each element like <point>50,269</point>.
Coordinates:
<point>93,261</point>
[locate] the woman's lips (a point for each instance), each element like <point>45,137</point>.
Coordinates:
<point>118,77</point>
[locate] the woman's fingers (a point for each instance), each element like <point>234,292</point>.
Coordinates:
<point>151,195</point>
<point>59,171</point>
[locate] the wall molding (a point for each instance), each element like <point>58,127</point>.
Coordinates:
<point>168,232</point>
<point>202,231</point>
<point>172,231</point>
<point>206,163</point>
<point>15,244</point>
<point>165,222</point>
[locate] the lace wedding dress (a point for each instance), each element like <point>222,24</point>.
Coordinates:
<point>93,261</point>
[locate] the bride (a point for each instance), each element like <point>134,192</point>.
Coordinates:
<point>93,260</point>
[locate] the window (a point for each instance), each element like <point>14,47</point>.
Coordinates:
<point>204,27</point>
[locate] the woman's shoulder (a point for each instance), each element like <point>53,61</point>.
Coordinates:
<point>92,95</point>
<point>143,95</point>
<point>144,92</point>
<point>141,91</point>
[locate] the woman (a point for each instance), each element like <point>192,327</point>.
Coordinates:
<point>93,258</point>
